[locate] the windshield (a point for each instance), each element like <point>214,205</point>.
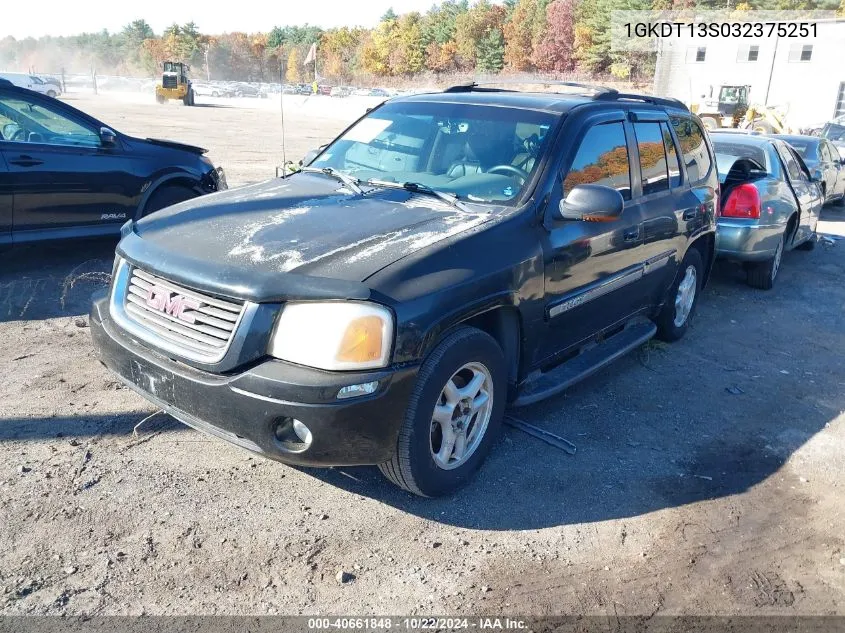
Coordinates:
<point>805,148</point>
<point>478,153</point>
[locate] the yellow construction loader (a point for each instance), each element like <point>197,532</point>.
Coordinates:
<point>175,84</point>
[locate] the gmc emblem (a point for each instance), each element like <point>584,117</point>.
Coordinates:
<point>163,300</point>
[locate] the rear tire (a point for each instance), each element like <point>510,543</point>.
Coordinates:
<point>762,275</point>
<point>431,458</point>
<point>678,312</point>
<point>165,197</point>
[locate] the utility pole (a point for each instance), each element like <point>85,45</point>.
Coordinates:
<point>207,68</point>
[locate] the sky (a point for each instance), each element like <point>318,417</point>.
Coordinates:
<point>60,17</point>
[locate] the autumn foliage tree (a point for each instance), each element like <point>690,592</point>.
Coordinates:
<point>555,51</point>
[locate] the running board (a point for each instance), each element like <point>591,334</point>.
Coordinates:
<point>585,364</point>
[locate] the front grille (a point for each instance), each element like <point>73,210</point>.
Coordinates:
<point>192,320</point>
<point>169,82</point>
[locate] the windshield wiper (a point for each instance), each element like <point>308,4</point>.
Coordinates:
<point>350,181</point>
<point>418,187</point>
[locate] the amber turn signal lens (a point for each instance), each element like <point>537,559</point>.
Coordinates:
<point>362,341</point>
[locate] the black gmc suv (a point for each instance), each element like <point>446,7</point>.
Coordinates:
<point>447,256</point>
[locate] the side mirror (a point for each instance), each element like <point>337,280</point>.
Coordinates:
<point>108,138</point>
<point>591,203</point>
<point>310,156</point>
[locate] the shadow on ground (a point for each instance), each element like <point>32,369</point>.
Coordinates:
<point>43,281</point>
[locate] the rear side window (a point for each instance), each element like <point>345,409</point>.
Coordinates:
<point>824,153</point>
<point>792,167</point>
<point>693,148</point>
<point>671,157</point>
<point>602,159</point>
<point>655,176</point>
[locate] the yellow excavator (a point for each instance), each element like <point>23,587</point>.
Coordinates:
<point>175,84</point>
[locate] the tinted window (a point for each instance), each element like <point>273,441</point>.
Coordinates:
<point>693,147</point>
<point>602,159</point>
<point>671,156</point>
<point>652,157</point>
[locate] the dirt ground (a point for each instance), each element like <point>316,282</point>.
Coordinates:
<point>708,478</point>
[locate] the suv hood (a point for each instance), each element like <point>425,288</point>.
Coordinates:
<point>304,225</point>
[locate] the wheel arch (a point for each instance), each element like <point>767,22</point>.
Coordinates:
<point>706,246</point>
<point>502,321</point>
<point>181,179</point>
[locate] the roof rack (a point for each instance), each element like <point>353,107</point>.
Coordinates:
<point>630,96</point>
<point>599,93</point>
<point>485,86</point>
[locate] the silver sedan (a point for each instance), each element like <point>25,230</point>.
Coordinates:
<point>769,203</point>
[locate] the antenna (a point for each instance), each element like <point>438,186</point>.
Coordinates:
<point>282,107</point>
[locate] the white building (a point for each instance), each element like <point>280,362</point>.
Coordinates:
<point>808,75</point>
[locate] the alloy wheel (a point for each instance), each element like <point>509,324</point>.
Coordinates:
<point>461,416</point>
<point>685,297</point>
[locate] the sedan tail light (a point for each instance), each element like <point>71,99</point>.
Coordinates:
<point>744,202</point>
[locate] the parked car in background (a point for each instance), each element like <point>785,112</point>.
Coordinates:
<point>32,82</point>
<point>339,91</point>
<point>209,90</point>
<point>243,89</point>
<point>53,83</point>
<point>378,92</point>
<point>486,249</point>
<point>323,89</point>
<point>64,174</point>
<point>824,163</point>
<point>769,203</point>
<point>834,131</point>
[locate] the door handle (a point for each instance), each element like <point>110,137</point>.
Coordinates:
<point>26,161</point>
<point>690,214</point>
<point>631,235</point>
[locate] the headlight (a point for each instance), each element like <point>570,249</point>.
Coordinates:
<point>333,335</point>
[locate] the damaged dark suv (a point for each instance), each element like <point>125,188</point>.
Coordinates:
<point>447,256</point>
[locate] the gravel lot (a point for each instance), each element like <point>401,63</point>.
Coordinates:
<point>708,477</point>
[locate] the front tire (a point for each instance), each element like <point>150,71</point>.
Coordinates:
<point>167,196</point>
<point>762,275</point>
<point>454,415</point>
<point>677,313</point>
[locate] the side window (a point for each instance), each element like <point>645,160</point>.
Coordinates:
<point>824,153</point>
<point>655,178</point>
<point>671,157</point>
<point>693,147</point>
<point>791,166</point>
<point>27,121</point>
<point>802,167</point>
<point>602,159</point>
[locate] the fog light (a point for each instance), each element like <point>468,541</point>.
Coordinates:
<point>352,391</point>
<point>302,432</point>
<point>293,435</point>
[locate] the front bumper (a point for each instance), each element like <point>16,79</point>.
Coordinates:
<point>245,408</point>
<point>746,241</point>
